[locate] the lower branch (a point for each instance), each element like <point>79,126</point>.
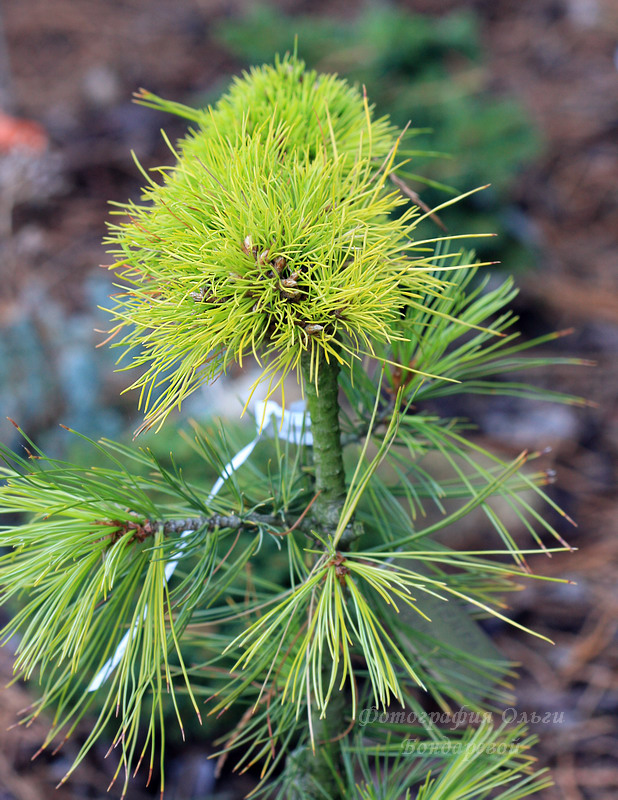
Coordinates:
<point>139,531</point>
<point>228,521</point>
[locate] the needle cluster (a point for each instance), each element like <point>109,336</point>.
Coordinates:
<point>271,235</point>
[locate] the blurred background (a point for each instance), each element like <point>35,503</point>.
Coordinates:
<point>520,94</point>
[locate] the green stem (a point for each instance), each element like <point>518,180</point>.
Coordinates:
<point>315,773</point>
<point>323,406</point>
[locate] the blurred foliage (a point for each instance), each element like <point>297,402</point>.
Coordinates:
<point>431,72</point>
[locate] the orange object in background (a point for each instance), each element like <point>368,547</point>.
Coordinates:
<point>21,134</point>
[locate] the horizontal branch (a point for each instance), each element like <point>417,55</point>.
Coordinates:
<point>139,531</point>
<point>230,521</point>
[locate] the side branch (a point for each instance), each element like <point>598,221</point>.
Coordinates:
<point>139,531</point>
<point>228,521</point>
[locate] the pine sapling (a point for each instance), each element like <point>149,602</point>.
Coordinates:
<point>301,595</point>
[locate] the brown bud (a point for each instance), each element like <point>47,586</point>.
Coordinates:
<point>289,283</point>
<point>279,264</point>
<point>247,245</point>
<point>313,329</point>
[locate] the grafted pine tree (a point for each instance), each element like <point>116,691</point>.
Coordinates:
<point>297,600</point>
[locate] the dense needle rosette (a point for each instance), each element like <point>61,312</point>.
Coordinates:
<point>271,235</point>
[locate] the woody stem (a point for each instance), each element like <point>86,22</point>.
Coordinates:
<point>316,773</point>
<point>321,391</point>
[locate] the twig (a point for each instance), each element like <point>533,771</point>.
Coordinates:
<point>300,519</point>
<point>403,187</point>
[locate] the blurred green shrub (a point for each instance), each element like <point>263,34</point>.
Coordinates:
<point>430,71</point>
